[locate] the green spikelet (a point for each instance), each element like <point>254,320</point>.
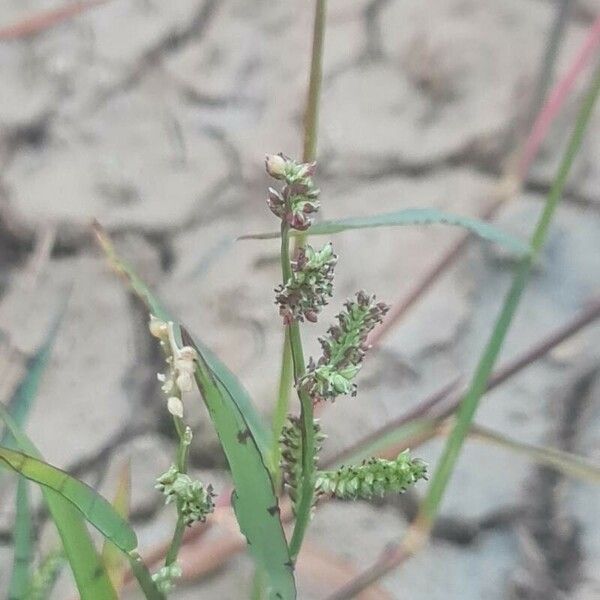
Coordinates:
<point>344,348</point>
<point>373,477</point>
<point>166,577</point>
<point>310,286</point>
<point>194,501</point>
<point>298,200</point>
<point>291,453</point>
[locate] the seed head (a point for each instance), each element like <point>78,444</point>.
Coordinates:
<point>343,349</point>
<point>373,477</point>
<point>310,286</point>
<point>194,501</point>
<point>298,198</point>
<point>276,165</point>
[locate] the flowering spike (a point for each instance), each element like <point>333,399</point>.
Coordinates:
<point>181,365</point>
<point>310,285</point>
<point>291,454</point>
<point>298,198</point>
<point>194,501</point>
<point>373,477</point>
<point>343,349</point>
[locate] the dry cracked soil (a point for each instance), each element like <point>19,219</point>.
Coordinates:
<point>154,117</point>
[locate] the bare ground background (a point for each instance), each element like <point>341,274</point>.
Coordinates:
<point>154,117</point>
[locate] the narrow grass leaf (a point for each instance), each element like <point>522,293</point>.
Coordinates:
<point>96,509</point>
<point>566,463</point>
<point>490,354</point>
<point>21,572</point>
<point>254,499</point>
<point>395,441</point>
<point>260,432</point>
<point>111,556</point>
<point>19,407</point>
<point>89,573</point>
<point>21,402</point>
<point>412,216</point>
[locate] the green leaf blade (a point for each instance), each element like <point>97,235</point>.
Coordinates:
<point>89,573</point>
<point>412,216</point>
<point>92,506</point>
<point>90,577</point>
<point>111,555</point>
<point>254,500</point>
<point>21,402</point>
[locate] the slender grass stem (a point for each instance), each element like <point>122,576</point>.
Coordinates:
<point>309,153</point>
<point>182,460</point>
<point>311,116</point>
<point>173,551</point>
<point>143,577</point>
<point>421,527</point>
<point>183,448</point>
<point>292,363</point>
<point>548,64</point>
<point>479,383</point>
<point>307,478</point>
<point>281,409</point>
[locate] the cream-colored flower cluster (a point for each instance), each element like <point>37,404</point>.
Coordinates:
<point>181,364</point>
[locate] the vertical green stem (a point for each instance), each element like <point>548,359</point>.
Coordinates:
<point>292,366</point>
<point>182,460</point>
<point>309,152</point>
<point>281,409</point>
<point>470,402</point>
<point>311,117</point>
<point>307,478</point>
<point>143,577</point>
<point>171,556</point>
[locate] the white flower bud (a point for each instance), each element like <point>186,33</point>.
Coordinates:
<point>275,165</point>
<point>185,381</point>
<point>158,328</point>
<point>167,386</point>
<point>175,406</point>
<point>187,353</point>
<point>185,365</point>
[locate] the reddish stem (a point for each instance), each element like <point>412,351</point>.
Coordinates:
<point>44,20</point>
<point>557,98</point>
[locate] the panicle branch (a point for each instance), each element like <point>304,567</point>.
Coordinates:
<point>310,286</point>
<point>373,477</point>
<point>299,198</point>
<point>343,349</point>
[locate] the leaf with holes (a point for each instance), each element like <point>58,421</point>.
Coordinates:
<point>254,500</point>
